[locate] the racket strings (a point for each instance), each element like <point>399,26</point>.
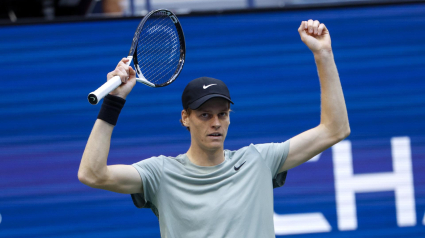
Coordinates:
<point>147,40</point>
<point>160,69</point>
<point>155,63</point>
<point>159,50</point>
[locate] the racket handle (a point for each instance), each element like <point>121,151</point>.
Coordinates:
<point>102,91</point>
<point>109,86</point>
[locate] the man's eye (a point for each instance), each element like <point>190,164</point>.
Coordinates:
<point>204,115</point>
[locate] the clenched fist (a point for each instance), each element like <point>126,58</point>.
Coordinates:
<point>315,35</point>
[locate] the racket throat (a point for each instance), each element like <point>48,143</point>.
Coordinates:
<point>144,81</point>
<point>141,78</point>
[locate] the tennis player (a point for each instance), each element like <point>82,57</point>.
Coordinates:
<point>210,191</point>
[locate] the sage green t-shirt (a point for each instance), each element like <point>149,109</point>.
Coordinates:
<point>232,199</point>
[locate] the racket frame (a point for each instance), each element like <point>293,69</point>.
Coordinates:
<point>97,95</point>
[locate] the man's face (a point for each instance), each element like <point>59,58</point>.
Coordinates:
<point>209,123</point>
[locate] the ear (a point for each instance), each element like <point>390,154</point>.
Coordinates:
<point>185,118</point>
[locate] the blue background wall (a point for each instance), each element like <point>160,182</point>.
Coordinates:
<point>45,119</point>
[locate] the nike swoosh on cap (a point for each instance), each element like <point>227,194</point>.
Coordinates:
<point>205,87</point>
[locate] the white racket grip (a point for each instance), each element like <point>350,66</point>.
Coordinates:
<point>109,86</point>
<point>102,91</point>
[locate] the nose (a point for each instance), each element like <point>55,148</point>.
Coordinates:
<point>216,122</point>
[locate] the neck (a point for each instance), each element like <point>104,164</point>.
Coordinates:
<point>204,157</point>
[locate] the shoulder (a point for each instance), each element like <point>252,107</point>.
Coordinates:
<point>263,150</point>
<point>244,151</point>
<point>154,161</point>
<point>258,147</point>
<point>273,147</point>
<point>232,152</point>
<point>162,161</point>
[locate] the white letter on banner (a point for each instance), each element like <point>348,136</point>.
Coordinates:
<point>400,180</point>
<point>423,221</point>
<point>303,223</point>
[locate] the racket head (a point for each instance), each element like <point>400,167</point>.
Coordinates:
<point>158,48</point>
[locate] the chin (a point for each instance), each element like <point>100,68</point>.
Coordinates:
<point>214,146</point>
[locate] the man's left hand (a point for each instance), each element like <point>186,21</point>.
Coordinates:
<point>315,35</point>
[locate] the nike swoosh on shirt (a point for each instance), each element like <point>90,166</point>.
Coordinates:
<point>205,87</point>
<point>237,168</point>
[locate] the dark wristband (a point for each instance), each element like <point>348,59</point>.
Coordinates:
<point>111,108</point>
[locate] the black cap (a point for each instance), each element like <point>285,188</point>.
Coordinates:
<point>199,90</point>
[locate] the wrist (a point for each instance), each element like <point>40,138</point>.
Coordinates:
<point>323,53</point>
<point>323,56</point>
<point>111,109</point>
<point>119,95</point>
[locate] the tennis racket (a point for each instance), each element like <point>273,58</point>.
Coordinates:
<point>157,51</point>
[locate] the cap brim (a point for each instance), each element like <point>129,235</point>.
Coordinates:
<point>196,104</point>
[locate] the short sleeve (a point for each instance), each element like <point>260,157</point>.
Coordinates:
<point>150,171</point>
<point>274,155</point>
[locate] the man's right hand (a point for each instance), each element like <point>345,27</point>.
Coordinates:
<point>128,78</point>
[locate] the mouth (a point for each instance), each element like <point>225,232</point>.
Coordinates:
<point>215,135</point>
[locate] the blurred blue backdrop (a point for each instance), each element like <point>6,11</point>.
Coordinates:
<point>47,71</point>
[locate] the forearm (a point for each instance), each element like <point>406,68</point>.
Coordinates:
<point>93,166</point>
<point>94,170</point>
<point>333,109</point>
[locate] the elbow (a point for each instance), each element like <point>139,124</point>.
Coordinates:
<point>89,179</point>
<point>337,134</point>
<point>344,133</point>
<point>347,130</point>
<point>84,178</point>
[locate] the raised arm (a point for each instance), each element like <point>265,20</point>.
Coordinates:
<point>334,125</point>
<point>94,171</point>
